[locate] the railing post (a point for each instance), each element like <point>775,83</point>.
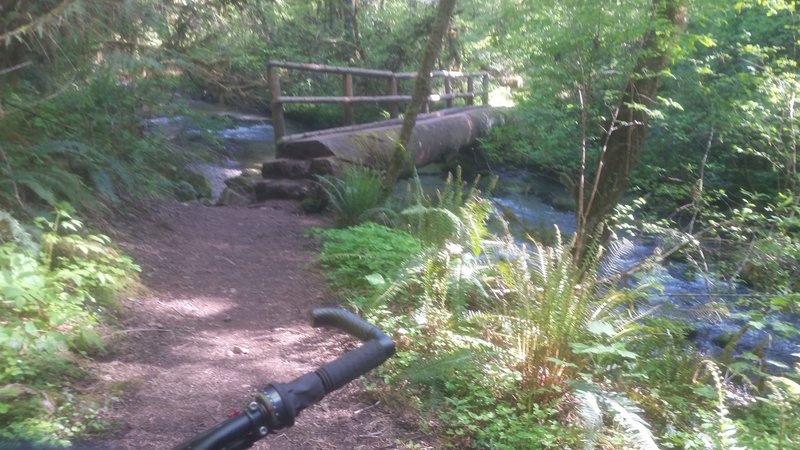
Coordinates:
<point>393,106</point>
<point>347,87</point>
<point>470,91</point>
<point>278,123</point>
<point>448,90</point>
<point>485,89</point>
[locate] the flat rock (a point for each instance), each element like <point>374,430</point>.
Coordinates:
<point>231,197</point>
<point>286,168</point>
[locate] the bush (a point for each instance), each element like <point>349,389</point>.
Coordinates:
<point>85,146</point>
<point>363,258</point>
<point>355,196</point>
<point>52,293</point>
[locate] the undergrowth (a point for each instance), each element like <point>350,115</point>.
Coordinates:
<point>356,195</point>
<point>87,145</point>
<point>504,344</point>
<point>56,283</point>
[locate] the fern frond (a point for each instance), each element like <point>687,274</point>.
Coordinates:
<point>443,366</point>
<point>726,428</point>
<point>614,258</point>
<point>592,418</point>
<point>636,429</point>
<point>12,231</point>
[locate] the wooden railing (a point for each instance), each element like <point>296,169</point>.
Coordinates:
<point>347,99</point>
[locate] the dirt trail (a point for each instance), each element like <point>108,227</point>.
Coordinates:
<point>228,290</point>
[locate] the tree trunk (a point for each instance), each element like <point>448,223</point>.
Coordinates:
<point>422,88</point>
<point>627,128</point>
<point>352,28</point>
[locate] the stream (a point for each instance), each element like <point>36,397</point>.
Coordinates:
<point>710,305</point>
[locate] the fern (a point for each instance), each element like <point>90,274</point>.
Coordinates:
<point>726,428</point>
<point>544,306</point>
<point>635,428</point>
<point>356,196</point>
<point>592,418</point>
<point>625,414</point>
<point>443,366</point>
<point>453,216</point>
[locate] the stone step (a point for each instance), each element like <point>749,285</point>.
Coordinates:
<point>299,168</point>
<point>325,166</point>
<point>286,168</point>
<point>285,189</point>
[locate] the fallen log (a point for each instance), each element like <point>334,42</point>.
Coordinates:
<point>435,138</point>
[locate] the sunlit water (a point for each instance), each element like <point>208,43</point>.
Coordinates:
<point>710,305</point>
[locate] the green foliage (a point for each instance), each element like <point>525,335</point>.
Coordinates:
<point>52,296</point>
<point>479,413</point>
<point>562,50</point>
<point>83,145</point>
<point>452,214</point>
<point>774,420</point>
<point>634,431</point>
<point>554,317</point>
<point>355,196</point>
<point>362,259</point>
<point>484,322</point>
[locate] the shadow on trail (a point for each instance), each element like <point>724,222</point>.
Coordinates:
<point>225,313</point>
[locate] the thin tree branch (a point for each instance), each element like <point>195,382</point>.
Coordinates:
<point>15,68</point>
<point>54,14</point>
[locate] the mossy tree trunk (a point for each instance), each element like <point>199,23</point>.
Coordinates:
<point>627,128</point>
<point>422,89</point>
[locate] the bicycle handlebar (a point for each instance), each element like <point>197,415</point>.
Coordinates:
<point>277,405</point>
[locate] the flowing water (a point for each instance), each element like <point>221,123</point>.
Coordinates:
<point>712,306</point>
<point>245,142</point>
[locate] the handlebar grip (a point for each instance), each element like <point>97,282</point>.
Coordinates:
<point>277,405</point>
<point>347,322</point>
<point>377,348</point>
<point>353,364</point>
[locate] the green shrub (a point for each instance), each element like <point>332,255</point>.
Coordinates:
<point>480,411</point>
<point>362,259</point>
<point>355,196</point>
<point>454,214</point>
<point>51,296</point>
<point>85,146</point>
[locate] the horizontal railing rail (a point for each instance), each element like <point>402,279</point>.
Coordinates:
<point>347,99</point>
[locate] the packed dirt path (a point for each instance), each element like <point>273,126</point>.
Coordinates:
<point>223,312</point>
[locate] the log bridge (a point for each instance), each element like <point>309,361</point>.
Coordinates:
<point>437,136</point>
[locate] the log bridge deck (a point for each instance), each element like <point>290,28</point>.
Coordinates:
<point>437,135</point>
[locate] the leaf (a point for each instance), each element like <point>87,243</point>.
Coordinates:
<point>791,386</point>
<point>598,328</point>
<point>707,41</point>
<point>14,390</point>
<point>375,279</point>
<point>616,348</point>
<point>561,362</point>
<point>592,416</point>
<point>777,364</point>
<point>42,192</point>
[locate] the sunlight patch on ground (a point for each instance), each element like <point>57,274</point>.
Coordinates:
<point>203,307</point>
